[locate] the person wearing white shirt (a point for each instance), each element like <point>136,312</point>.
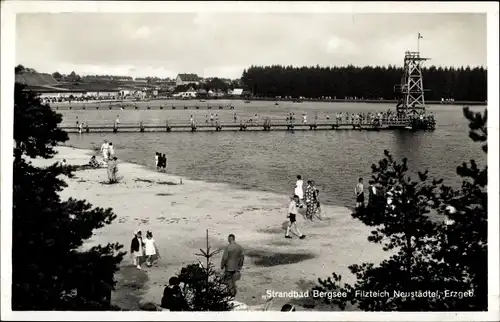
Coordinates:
<point>105,150</point>
<point>299,190</point>
<point>292,217</point>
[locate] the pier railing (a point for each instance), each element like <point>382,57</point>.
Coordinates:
<point>141,106</point>
<point>266,124</point>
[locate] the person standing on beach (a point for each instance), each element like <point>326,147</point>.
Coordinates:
<point>232,263</point>
<point>105,151</point>
<point>112,170</point>
<point>372,193</point>
<point>318,204</point>
<point>160,161</point>
<point>111,150</point>
<point>292,217</point>
<point>150,248</point>
<point>136,249</point>
<point>299,190</point>
<point>115,169</point>
<point>360,193</point>
<point>80,128</point>
<point>157,160</point>
<point>310,197</point>
<point>164,162</point>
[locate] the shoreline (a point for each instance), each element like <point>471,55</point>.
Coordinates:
<point>229,184</point>
<point>117,103</point>
<point>179,214</point>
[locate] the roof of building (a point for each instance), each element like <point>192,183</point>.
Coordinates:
<point>91,87</point>
<point>238,91</point>
<point>45,89</point>
<point>189,77</point>
<point>35,79</point>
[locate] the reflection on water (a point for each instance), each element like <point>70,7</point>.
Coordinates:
<point>271,160</point>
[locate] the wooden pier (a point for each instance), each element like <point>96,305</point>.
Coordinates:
<point>141,106</point>
<point>176,126</point>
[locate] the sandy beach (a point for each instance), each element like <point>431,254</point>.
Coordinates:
<point>179,214</point>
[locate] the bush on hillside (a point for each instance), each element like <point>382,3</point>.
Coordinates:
<point>428,255</point>
<point>51,271</point>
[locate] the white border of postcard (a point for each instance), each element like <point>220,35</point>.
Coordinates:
<point>10,8</point>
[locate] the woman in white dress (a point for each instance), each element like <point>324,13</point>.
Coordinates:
<point>105,151</point>
<point>299,190</point>
<point>150,248</point>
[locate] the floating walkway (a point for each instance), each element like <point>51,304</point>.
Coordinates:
<point>141,106</point>
<point>234,126</point>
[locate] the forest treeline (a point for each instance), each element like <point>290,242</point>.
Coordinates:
<point>460,84</point>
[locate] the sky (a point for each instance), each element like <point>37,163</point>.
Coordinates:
<point>223,44</point>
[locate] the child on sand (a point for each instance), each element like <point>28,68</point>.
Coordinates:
<point>93,162</point>
<point>136,249</point>
<point>299,190</point>
<point>292,216</point>
<point>150,248</point>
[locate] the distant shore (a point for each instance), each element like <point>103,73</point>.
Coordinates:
<point>336,101</point>
<point>179,213</point>
<point>371,101</point>
<point>117,103</point>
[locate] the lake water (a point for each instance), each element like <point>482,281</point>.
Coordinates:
<point>271,160</point>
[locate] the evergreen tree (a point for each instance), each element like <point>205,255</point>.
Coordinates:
<point>362,82</point>
<point>203,288</point>
<point>51,268</point>
<point>427,252</point>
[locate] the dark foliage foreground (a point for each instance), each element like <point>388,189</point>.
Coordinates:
<point>449,260</point>
<point>50,270</point>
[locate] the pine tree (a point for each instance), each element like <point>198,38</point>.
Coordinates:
<point>203,288</point>
<point>427,253</point>
<point>51,268</point>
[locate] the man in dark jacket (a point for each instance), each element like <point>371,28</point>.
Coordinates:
<point>232,263</point>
